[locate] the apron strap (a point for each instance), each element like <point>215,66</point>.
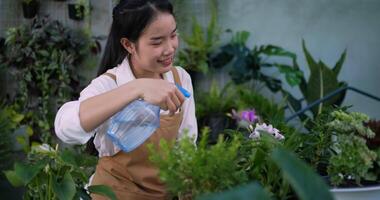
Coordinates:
<point>112,76</point>
<point>176,76</point>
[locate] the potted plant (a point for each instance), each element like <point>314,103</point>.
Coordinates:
<point>338,147</point>
<point>80,9</point>
<point>196,54</point>
<point>30,8</point>
<point>212,107</point>
<point>191,171</point>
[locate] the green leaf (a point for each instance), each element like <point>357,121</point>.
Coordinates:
<point>24,173</point>
<point>339,64</point>
<point>305,182</point>
<point>310,60</point>
<point>65,189</point>
<point>246,192</point>
<point>322,81</point>
<point>13,178</point>
<point>102,190</point>
<point>68,157</point>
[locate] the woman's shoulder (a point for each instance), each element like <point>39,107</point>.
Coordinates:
<point>184,75</point>
<point>102,82</point>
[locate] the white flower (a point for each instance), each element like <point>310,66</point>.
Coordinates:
<point>269,129</point>
<point>43,148</point>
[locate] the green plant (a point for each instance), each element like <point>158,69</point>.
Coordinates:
<point>7,126</point>
<point>336,147</point>
<point>322,81</point>
<point>351,159</point>
<point>82,8</point>
<point>303,180</point>
<point>44,60</point>
<point>53,174</point>
<point>200,44</point>
<point>192,170</point>
<point>215,101</point>
<point>246,64</point>
<point>267,109</point>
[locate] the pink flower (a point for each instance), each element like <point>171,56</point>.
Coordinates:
<point>245,115</point>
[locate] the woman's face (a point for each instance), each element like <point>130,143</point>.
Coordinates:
<point>153,53</point>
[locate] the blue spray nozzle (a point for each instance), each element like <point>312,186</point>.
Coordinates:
<point>184,91</point>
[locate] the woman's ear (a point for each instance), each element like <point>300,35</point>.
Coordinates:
<point>128,45</point>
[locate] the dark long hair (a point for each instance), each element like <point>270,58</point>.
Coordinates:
<point>130,18</point>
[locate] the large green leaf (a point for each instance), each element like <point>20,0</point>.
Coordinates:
<point>322,81</point>
<point>65,189</point>
<point>102,190</point>
<point>246,192</point>
<point>339,64</point>
<point>24,173</point>
<point>305,182</point>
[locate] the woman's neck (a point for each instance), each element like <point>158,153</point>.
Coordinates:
<point>141,73</point>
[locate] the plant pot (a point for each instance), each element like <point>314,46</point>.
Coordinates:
<point>217,124</point>
<point>30,9</point>
<point>362,193</point>
<point>76,12</point>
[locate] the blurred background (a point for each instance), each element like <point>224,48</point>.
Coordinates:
<point>274,56</point>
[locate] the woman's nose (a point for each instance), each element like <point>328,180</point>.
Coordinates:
<point>170,48</point>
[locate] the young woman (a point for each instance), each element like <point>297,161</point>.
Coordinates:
<point>137,63</point>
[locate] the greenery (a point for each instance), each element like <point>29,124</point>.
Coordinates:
<point>44,59</point>
<point>192,170</point>
<point>322,81</point>
<point>337,148</point>
<point>246,64</point>
<point>9,120</point>
<point>351,159</point>
<point>53,174</point>
<point>200,44</point>
<point>82,8</point>
<point>302,179</point>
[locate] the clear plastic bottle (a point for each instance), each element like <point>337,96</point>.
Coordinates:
<point>135,123</point>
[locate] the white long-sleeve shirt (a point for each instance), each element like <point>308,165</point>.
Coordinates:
<point>69,130</point>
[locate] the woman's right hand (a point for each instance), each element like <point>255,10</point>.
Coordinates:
<point>160,92</point>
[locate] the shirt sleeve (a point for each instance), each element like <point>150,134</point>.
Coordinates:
<point>189,121</point>
<point>67,124</point>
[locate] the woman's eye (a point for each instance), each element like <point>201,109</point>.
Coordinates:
<point>174,35</point>
<point>156,43</point>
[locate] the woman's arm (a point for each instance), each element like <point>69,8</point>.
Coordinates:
<point>97,109</point>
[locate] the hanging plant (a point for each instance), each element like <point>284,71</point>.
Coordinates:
<point>78,10</point>
<point>30,8</point>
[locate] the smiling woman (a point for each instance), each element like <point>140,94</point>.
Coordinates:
<point>137,64</point>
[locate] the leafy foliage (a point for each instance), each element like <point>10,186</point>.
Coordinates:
<point>187,169</point>
<point>246,64</point>
<point>200,44</point>
<point>53,174</point>
<point>322,81</point>
<point>351,159</point>
<point>44,59</point>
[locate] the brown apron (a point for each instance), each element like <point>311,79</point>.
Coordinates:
<point>131,175</point>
